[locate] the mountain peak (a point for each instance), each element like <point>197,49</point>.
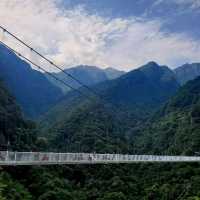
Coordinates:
<point>156,71</point>
<point>152,67</point>
<point>152,64</point>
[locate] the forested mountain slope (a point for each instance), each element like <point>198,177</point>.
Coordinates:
<point>150,86</point>
<point>175,128</point>
<point>100,182</point>
<point>96,182</point>
<point>13,128</point>
<point>101,124</point>
<point>33,91</point>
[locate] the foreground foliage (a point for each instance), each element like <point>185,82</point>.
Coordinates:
<point>103,182</point>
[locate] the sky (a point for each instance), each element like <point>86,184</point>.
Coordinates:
<point>123,34</point>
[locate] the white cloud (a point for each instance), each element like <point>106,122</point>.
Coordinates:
<point>187,4</point>
<point>73,36</point>
<point>193,4</point>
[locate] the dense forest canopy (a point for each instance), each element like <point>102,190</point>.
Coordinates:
<point>174,129</point>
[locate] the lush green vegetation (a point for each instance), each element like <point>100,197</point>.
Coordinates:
<point>98,126</point>
<point>93,127</point>
<point>89,128</point>
<point>102,182</point>
<point>14,129</point>
<point>175,128</point>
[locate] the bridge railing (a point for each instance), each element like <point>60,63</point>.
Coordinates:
<point>23,158</point>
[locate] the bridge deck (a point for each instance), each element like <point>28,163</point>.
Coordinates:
<point>41,158</point>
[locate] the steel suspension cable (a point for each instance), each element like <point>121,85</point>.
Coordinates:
<point>41,68</point>
<point>101,98</point>
<point>51,62</point>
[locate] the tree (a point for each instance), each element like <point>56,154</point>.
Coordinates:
<point>113,196</point>
<point>2,186</point>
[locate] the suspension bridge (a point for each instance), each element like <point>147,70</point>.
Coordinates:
<point>8,158</point>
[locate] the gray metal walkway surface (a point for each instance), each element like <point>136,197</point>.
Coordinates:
<point>43,158</point>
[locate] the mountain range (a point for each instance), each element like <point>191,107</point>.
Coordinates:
<point>171,128</point>
<point>36,92</point>
<point>88,75</point>
<point>126,101</point>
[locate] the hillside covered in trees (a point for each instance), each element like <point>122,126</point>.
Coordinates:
<point>101,124</point>
<point>175,128</point>
<point>15,131</point>
<point>150,115</point>
<point>99,77</point>
<point>104,182</point>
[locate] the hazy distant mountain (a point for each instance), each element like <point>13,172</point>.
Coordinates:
<point>187,72</point>
<point>112,73</point>
<point>32,90</point>
<point>89,75</point>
